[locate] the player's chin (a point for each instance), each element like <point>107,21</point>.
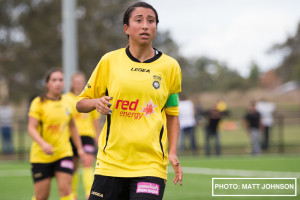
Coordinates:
<point>145,42</point>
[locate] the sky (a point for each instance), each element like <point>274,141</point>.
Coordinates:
<point>236,32</point>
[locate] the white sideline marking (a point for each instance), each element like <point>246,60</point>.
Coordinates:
<point>15,172</point>
<point>190,170</point>
<point>236,172</point>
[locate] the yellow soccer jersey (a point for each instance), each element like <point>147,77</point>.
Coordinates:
<point>54,118</point>
<point>84,121</point>
<point>133,141</point>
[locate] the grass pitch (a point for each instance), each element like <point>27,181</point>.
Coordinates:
<point>16,182</point>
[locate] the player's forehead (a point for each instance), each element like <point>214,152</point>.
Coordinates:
<point>142,12</point>
<point>57,74</point>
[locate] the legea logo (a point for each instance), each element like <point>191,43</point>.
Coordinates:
<point>129,109</point>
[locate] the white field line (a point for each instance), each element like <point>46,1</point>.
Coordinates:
<point>191,170</point>
<point>237,172</point>
<point>15,172</point>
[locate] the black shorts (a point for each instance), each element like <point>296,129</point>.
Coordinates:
<point>41,171</point>
<point>118,188</point>
<point>88,145</point>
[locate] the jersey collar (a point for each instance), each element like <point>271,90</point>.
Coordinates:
<point>157,56</point>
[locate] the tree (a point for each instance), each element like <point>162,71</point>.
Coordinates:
<point>254,74</point>
<point>38,24</point>
<point>289,69</point>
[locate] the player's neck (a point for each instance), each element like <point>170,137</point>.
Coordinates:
<point>142,53</point>
<point>76,92</point>
<point>53,96</point>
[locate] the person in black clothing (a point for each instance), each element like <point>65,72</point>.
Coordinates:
<point>252,124</point>
<point>214,117</point>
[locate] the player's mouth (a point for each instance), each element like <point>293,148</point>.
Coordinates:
<point>144,35</point>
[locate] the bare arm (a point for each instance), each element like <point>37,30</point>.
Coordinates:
<point>86,105</point>
<point>101,105</point>
<point>76,138</point>
<point>173,134</point>
<point>35,135</point>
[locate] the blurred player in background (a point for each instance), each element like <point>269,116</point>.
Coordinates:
<point>214,117</point>
<point>137,88</point>
<point>50,123</point>
<point>88,128</point>
<point>266,109</point>
<point>6,124</point>
<point>253,126</point>
<point>187,123</point>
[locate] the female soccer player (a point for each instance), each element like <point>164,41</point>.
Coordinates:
<point>88,128</point>
<point>137,88</point>
<point>50,118</point>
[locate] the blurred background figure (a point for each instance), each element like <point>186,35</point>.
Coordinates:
<point>252,124</point>
<point>199,113</point>
<point>88,129</point>
<point>266,110</point>
<point>6,119</point>
<point>187,123</point>
<point>213,116</point>
<point>50,125</point>
<point>221,105</point>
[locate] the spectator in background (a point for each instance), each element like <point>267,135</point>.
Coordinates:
<point>221,106</point>
<point>187,123</point>
<point>6,119</point>
<point>199,112</point>
<point>214,116</point>
<point>266,110</point>
<point>252,124</point>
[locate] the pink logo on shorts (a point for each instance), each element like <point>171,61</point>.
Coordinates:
<point>89,148</point>
<point>150,188</point>
<point>67,164</point>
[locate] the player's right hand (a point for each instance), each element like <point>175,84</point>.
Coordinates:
<point>102,105</point>
<point>177,168</point>
<point>47,148</point>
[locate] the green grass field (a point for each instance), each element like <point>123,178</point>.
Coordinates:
<point>16,183</point>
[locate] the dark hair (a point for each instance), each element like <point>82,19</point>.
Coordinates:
<point>47,78</point>
<point>131,8</point>
<point>50,72</point>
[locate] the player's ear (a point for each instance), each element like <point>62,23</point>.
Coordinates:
<point>125,26</point>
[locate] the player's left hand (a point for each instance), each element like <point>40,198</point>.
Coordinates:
<point>177,168</point>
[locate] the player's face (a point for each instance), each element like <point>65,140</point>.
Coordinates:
<point>55,85</point>
<point>142,26</point>
<point>78,82</point>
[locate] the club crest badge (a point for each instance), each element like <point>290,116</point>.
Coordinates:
<point>156,81</point>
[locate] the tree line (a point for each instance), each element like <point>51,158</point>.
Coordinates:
<point>31,43</point>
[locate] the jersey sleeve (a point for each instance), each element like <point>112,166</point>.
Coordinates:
<point>174,111</point>
<point>172,108</point>
<point>97,84</point>
<point>175,79</point>
<point>35,109</point>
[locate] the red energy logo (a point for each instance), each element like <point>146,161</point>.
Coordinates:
<point>129,109</point>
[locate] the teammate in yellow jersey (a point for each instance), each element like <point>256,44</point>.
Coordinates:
<point>88,128</point>
<point>137,88</point>
<point>50,123</point>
